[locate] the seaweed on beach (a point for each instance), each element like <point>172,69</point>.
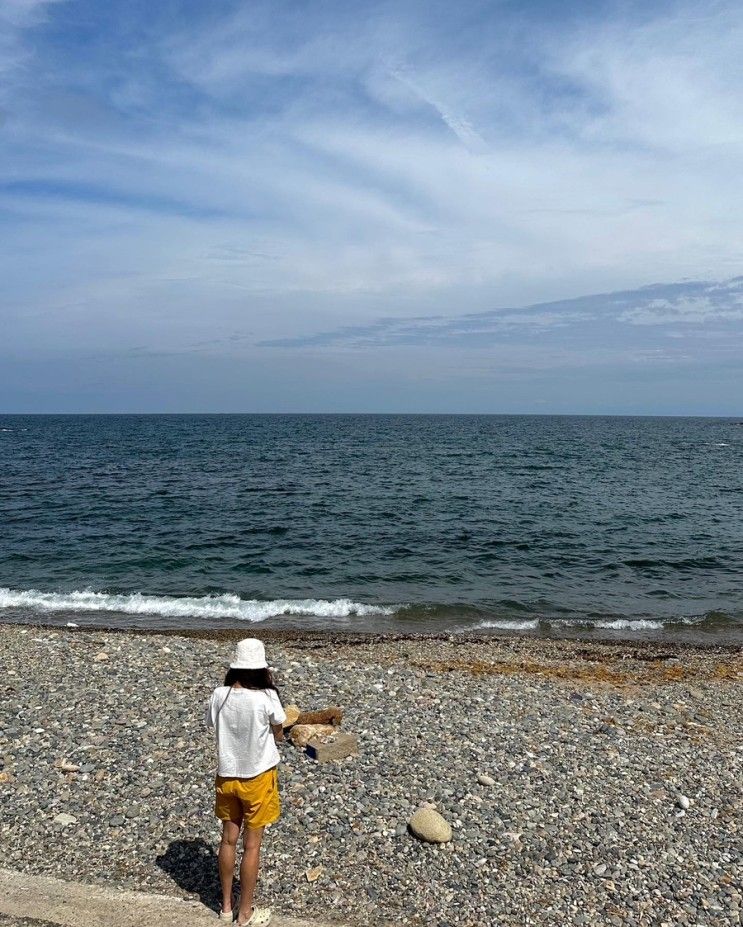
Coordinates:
<point>594,672</point>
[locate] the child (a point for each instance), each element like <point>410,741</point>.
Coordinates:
<point>246,716</point>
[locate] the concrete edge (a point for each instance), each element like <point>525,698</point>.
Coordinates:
<point>79,904</point>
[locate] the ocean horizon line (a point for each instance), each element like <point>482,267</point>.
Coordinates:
<point>192,414</point>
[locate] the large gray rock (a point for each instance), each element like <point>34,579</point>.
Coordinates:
<point>65,819</point>
<point>427,824</point>
<point>337,747</point>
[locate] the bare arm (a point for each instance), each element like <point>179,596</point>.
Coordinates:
<point>278,732</point>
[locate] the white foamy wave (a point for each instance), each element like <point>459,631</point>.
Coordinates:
<point>629,624</point>
<point>647,624</point>
<point>209,606</point>
<point>531,624</point>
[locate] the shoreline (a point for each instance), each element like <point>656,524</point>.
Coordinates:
<point>615,772</point>
<point>638,641</point>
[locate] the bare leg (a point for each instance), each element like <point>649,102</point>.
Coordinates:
<point>227,848</point>
<point>249,871</point>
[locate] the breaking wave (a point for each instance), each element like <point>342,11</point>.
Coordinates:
<point>208,606</point>
<point>504,624</point>
<point>630,624</point>
<point>213,611</point>
<point>708,621</point>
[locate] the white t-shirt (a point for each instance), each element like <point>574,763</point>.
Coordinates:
<point>242,719</point>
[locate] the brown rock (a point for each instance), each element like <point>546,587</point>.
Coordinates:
<point>292,715</point>
<point>302,734</point>
<point>332,716</point>
<point>337,747</point>
<point>312,875</point>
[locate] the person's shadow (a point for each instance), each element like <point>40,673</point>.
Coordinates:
<point>192,864</point>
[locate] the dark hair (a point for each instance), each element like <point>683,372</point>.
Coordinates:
<point>251,678</point>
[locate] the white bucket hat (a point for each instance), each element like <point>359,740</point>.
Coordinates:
<point>249,654</point>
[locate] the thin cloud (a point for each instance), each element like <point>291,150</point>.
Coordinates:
<point>682,304</point>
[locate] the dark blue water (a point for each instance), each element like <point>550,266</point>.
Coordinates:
<point>543,524</point>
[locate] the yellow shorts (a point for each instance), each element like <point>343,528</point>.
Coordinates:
<point>255,801</point>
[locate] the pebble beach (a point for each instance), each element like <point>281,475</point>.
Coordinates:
<point>585,783</point>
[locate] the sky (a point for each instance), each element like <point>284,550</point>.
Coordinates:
<point>527,207</point>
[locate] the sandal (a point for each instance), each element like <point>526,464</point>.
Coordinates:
<point>261,917</point>
<point>227,917</point>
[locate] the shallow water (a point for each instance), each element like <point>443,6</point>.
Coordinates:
<point>548,525</point>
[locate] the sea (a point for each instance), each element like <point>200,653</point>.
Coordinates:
<point>558,526</point>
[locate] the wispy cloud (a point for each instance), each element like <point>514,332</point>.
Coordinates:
<point>23,13</point>
<point>603,317</point>
<point>15,16</point>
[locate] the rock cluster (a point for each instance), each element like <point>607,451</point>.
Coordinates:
<point>317,731</point>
